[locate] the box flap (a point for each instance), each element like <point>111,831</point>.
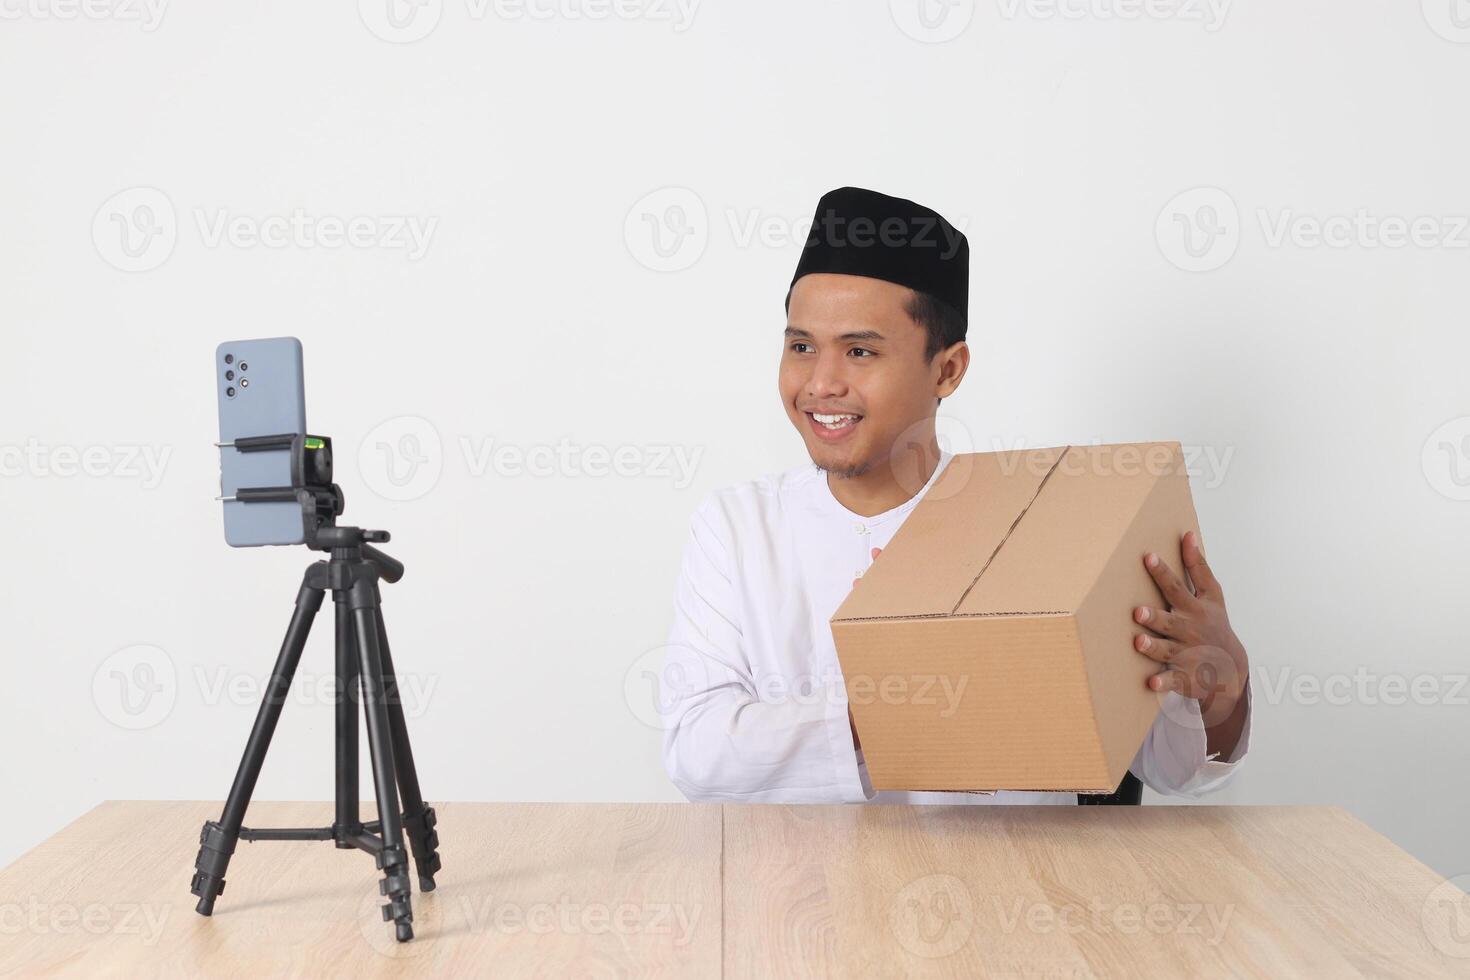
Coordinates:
<point>973,505</point>
<point>1071,530</point>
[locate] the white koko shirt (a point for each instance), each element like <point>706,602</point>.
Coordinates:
<point>751,692</point>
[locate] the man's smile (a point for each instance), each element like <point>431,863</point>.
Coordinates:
<point>833,426</point>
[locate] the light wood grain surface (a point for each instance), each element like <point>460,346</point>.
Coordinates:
<point>612,890</point>
<point>599,890</point>
<point>1080,892</point>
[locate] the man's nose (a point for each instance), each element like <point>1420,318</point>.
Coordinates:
<point>828,378</point>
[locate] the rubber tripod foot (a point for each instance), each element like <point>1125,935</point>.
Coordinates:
<point>215,848</point>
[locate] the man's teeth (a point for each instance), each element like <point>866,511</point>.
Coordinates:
<point>834,421</point>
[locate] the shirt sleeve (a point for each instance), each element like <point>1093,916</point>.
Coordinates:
<point>728,735</point>
<point>1174,759</point>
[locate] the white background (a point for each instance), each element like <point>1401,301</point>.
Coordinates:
<point>541,315</point>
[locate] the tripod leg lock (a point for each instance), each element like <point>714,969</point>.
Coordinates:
<point>393,862</point>
<point>215,848</point>
<point>424,840</point>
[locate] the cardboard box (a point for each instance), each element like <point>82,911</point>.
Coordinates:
<point>990,646</point>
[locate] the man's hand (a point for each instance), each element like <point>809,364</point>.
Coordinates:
<point>1201,655</point>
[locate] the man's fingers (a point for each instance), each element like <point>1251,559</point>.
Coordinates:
<point>1187,680</point>
<point>1199,570</point>
<point>1156,647</point>
<point>1169,583</point>
<point>1169,680</point>
<point>1202,674</point>
<point>1163,622</point>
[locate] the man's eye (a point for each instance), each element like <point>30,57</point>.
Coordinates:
<point>861,352</point>
<point>800,347</point>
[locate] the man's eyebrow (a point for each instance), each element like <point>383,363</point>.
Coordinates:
<point>853,335</point>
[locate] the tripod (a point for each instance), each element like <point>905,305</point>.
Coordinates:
<point>363,660</point>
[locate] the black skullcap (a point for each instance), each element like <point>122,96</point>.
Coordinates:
<point>859,232</point>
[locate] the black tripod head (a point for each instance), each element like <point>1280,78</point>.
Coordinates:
<point>343,541</point>
<point>320,499</point>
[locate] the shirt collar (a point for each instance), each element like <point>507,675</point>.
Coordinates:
<point>836,506</point>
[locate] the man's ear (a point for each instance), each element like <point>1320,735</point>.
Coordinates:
<point>952,362</point>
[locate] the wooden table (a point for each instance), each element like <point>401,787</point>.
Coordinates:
<point>751,891</point>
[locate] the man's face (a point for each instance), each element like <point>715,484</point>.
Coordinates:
<point>854,377</point>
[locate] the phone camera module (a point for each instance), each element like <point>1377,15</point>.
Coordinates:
<point>229,358</point>
<point>229,375</point>
<point>230,392</point>
<point>244,366</point>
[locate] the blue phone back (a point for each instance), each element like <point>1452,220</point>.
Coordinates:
<point>262,392</point>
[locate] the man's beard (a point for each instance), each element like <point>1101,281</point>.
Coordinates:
<point>844,472</point>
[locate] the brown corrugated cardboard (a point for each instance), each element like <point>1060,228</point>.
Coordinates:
<point>990,646</point>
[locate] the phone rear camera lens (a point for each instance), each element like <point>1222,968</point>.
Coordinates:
<point>244,366</point>
<point>230,392</point>
<point>229,375</point>
<point>244,382</point>
<point>229,358</point>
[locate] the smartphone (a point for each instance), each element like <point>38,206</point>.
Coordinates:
<point>262,392</point>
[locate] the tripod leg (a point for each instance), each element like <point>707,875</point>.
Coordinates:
<point>218,838</point>
<point>392,859</point>
<point>418,819</point>
<point>349,821</point>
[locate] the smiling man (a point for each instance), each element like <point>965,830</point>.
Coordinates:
<point>752,693</point>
